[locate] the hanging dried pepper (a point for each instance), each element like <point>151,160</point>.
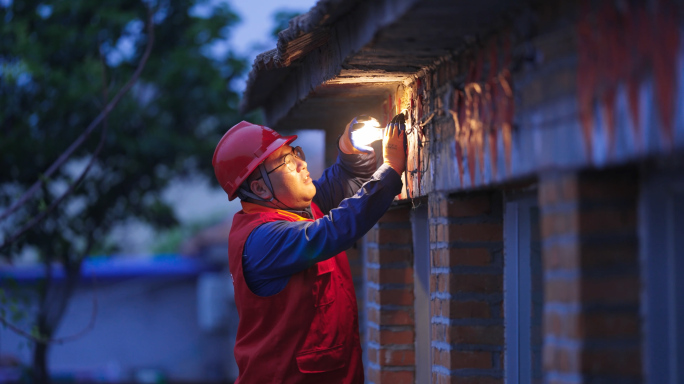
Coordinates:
<point>611,59</point>
<point>457,111</point>
<point>490,110</point>
<point>638,37</point>
<point>505,103</point>
<point>587,50</point>
<point>664,56</point>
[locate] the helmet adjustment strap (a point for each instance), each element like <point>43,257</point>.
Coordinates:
<point>243,193</point>
<point>267,180</point>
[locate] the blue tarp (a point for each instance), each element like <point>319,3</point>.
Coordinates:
<point>118,267</point>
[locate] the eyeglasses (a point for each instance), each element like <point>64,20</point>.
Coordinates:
<point>289,160</point>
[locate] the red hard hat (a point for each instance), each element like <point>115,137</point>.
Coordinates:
<point>241,150</point>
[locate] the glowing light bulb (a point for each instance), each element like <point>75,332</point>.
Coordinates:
<point>368,132</point>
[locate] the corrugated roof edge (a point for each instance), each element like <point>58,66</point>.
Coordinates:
<point>287,52</point>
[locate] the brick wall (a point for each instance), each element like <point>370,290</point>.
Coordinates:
<point>466,287</point>
<point>389,306</point>
<point>590,248</point>
<point>355,257</point>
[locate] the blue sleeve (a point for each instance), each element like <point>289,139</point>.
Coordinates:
<point>277,250</point>
<point>343,179</point>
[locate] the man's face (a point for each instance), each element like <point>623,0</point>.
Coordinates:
<point>293,188</point>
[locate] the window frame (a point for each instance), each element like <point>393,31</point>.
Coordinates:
<point>661,198</point>
<point>518,294</point>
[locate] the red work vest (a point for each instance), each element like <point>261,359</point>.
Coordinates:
<point>306,333</point>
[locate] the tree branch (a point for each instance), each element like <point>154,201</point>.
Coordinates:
<point>61,340</point>
<point>77,143</point>
<point>69,269</point>
<point>37,219</point>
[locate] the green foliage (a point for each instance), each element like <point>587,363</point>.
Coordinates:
<point>282,18</point>
<point>14,303</point>
<point>54,57</point>
<point>57,60</point>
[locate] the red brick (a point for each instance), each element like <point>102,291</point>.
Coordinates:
<point>397,215</point>
<point>391,296</point>
<point>446,257</point>
<point>609,255</point>
<point>437,206</point>
<point>386,336</point>
<point>607,187</point>
<point>441,233</point>
<point>616,362</point>
<point>561,359</point>
<point>562,325</point>
<point>372,235</point>
<point>434,281</point>
<point>608,325</point>
<point>439,257</point>
<point>470,256</point>
<point>397,317</point>
<point>484,283</point>
<point>401,357</point>
<point>382,256</point>
<point>562,290</point>
<point>404,275</point>
<point>397,377</point>
<point>373,315</point>
<point>353,253</point>
<point>475,232</point>
<point>394,236</point>
<point>476,283</point>
<point>559,223</point>
<point>390,276</point>
<point>611,290</point>
<point>373,375</point>
<point>604,221</point>
<point>454,309</point>
<point>470,206</point>
<point>468,334</point>
<point>438,378</point>
<point>462,359</point>
<point>548,192</point>
<point>571,256</point>
<point>373,354</point>
<point>558,190</point>
<point>562,257</point>
<point>356,270</point>
<point>569,188</point>
<point>442,212</point>
<point>391,317</point>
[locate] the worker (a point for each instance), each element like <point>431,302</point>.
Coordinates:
<point>298,318</point>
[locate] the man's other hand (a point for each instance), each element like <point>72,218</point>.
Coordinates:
<point>359,134</point>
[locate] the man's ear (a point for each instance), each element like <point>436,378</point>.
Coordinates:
<point>258,188</point>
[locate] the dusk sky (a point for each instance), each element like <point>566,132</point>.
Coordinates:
<point>252,35</point>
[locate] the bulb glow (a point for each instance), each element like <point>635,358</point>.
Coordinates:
<point>369,132</point>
